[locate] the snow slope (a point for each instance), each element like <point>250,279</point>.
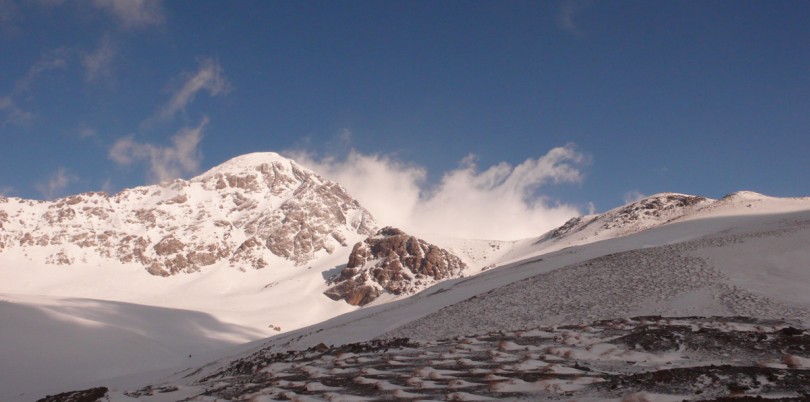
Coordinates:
<point>246,244</point>
<point>743,254</point>
<point>709,265</point>
<point>642,261</point>
<point>48,343</point>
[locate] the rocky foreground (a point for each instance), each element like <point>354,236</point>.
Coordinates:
<point>637,359</point>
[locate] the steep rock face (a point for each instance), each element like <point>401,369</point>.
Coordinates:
<point>392,261</point>
<point>248,211</point>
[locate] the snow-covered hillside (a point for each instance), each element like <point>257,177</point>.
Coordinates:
<point>247,245</point>
<point>732,260</point>
<point>247,249</point>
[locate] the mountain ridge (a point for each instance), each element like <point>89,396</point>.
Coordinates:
<point>252,209</point>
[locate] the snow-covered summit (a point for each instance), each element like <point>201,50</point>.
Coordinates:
<point>745,195</point>
<point>249,211</point>
<point>249,162</point>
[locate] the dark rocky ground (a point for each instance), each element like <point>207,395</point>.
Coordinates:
<point>88,395</point>
<point>638,359</point>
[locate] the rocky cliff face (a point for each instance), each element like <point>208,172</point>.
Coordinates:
<point>249,211</point>
<point>392,261</point>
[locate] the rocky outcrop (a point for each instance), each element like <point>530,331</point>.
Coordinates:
<point>247,212</point>
<point>643,214</point>
<point>653,207</point>
<point>394,262</point>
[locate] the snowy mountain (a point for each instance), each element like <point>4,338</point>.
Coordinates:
<point>250,211</point>
<point>583,322</point>
<point>155,279</point>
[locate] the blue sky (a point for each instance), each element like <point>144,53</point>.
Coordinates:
<point>700,97</point>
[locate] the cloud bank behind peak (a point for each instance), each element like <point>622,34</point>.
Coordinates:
<point>501,202</point>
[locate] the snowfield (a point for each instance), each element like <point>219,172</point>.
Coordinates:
<point>51,344</point>
<point>745,255</point>
<point>754,278</point>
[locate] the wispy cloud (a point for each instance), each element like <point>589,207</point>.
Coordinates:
<point>208,77</point>
<point>164,163</point>
<point>53,59</point>
<point>633,196</point>
<point>12,113</point>
<point>567,12</point>
<point>134,13</point>
<point>56,184</point>
<point>84,132</point>
<point>98,63</point>
<point>499,202</point>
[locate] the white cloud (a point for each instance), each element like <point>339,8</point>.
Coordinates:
<point>56,184</point>
<point>134,13</point>
<point>569,9</point>
<point>591,208</point>
<point>49,60</point>
<point>633,196</point>
<point>98,63</point>
<point>500,202</point>
<point>84,132</point>
<point>164,163</point>
<point>208,77</point>
<point>13,114</point>
<point>52,59</point>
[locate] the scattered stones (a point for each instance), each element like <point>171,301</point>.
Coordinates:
<point>88,395</point>
<point>623,359</point>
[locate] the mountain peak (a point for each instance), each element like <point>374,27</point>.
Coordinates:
<point>247,212</point>
<point>745,195</point>
<point>251,162</point>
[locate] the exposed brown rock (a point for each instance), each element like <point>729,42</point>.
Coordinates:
<point>27,240</point>
<point>169,245</point>
<point>354,292</point>
<point>43,240</point>
<point>179,199</point>
<point>403,264</point>
<point>146,215</point>
<point>74,200</point>
<point>60,258</point>
<point>244,182</point>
